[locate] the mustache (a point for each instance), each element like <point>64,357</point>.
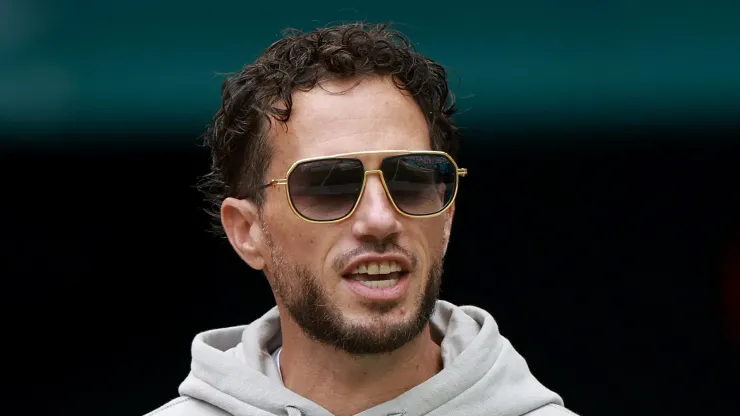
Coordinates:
<point>373,247</point>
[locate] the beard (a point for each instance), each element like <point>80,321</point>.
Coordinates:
<point>321,318</point>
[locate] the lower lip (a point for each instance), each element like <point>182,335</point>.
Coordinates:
<point>394,292</point>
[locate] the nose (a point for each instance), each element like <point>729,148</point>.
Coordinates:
<point>375,217</point>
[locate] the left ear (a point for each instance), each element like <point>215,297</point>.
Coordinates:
<point>243,226</point>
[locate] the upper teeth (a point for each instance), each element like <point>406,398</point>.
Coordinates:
<point>377,267</point>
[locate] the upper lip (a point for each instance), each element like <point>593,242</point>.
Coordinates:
<point>366,258</point>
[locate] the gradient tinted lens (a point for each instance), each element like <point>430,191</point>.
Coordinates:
<point>420,184</point>
<point>326,190</point>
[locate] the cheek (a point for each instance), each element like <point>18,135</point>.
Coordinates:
<point>301,242</point>
<point>296,240</point>
<point>447,231</point>
<point>433,235</point>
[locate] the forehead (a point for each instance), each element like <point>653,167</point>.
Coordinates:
<point>345,116</point>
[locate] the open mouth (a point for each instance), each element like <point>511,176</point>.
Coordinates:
<point>378,278</point>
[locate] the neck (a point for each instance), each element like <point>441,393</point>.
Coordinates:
<point>345,384</point>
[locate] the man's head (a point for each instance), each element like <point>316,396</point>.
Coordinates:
<point>347,89</point>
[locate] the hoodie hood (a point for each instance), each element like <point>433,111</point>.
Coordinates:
<point>233,370</point>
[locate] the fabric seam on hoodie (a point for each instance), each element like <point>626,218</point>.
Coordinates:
<point>175,402</point>
<point>562,408</point>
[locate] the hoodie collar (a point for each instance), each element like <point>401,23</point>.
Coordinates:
<point>233,369</point>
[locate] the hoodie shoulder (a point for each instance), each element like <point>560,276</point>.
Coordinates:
<point>551,410</point>
<point>186,406</point>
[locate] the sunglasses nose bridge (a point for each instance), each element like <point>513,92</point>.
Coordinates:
<point>366,178</point>
<point>373,172</point>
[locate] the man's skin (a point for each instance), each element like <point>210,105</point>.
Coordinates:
<point>374,115</point>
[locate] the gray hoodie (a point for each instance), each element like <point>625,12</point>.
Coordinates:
<point>233,372</point>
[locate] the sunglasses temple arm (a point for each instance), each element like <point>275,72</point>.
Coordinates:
<point>273,183</point>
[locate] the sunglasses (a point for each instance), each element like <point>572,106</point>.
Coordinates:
<point>419,184</point>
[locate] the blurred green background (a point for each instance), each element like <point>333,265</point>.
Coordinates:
<point>139,66</point>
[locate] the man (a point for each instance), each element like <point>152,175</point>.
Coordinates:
<point>333,173</point>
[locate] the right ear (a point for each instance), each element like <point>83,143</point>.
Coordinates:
<point>241,221</point>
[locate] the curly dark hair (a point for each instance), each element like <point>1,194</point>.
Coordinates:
<point>237,136</point>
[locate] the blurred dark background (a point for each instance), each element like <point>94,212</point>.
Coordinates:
<point>600,222</point>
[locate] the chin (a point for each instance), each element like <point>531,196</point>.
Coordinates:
<point>381,312</point>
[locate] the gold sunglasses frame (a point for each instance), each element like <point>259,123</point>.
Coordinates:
<point>459,172</point>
